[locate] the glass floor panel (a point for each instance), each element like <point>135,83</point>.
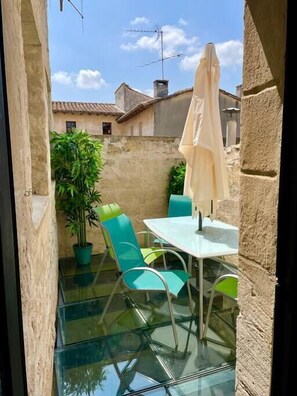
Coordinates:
<point>128,362</point>
<point>133,351</point>
<point>68,266</point>
<point>220,383</point>
<point>79,321</point>
<point>115,365</point>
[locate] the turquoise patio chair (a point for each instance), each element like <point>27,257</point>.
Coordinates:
<point>136,274</point>
<point>178,205</point>
<point>225,285</point>
<point>107,212</point>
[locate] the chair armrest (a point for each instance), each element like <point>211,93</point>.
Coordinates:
<point>170,251</point>
<point>157,273</point>
<point>153,252</point>
<point>178,256</point>
<point>147,233</point>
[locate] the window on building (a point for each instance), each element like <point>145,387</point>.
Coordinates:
<point>131,130</point>
<point>106,128</point>
<point>70,125</point>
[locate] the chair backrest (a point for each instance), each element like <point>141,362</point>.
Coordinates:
<point>227,285</point>
<point>124,242</point>
<point>179,205</point>
<point>107,212</point>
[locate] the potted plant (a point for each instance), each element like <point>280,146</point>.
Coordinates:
<point>76,160</point>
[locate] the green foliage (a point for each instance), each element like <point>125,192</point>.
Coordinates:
<point>176,179</point>
<point>76,162</point>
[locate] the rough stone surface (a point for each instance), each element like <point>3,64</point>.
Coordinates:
<point>36,226</point>
<point>258,219</point>
<point>261,119</point>
<point>228,209</point>
<point>264,44</point>
<point>261,124</point>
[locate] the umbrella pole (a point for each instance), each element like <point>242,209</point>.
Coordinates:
<point>200,222</point>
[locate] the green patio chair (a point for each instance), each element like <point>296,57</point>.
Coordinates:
<point>107,212</point>
<point>136,274</point>
<point>224,285</point>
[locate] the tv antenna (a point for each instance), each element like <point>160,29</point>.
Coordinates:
<point>80,12</point>
<point>159,35</point>
<point>74,6</point>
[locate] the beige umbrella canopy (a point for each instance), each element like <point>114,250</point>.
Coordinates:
<point>206,179</point>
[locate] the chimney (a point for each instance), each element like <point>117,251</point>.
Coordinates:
<point>160,88</point>
<point>239,90</point>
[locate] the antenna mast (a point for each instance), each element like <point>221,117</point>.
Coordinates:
<point>74,6</point>
<point>159,34</point>
<point>162,54</point>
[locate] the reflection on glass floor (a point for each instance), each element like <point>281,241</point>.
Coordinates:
<point>133,352</point>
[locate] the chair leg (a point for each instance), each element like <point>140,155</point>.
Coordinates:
<point>208,314</point>
<point>190,261</point>
<point>100,267</point>
<point>147,297</point>
<point>109,300</point>
<point>190,298</point>
<point>172,320</point>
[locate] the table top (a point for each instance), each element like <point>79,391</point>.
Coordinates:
<point>215,239</point>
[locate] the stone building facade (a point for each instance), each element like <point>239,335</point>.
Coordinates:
<point>135,114</point>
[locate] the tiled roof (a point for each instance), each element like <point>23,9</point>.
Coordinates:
<point>82,107</point>
<point>144,105</point>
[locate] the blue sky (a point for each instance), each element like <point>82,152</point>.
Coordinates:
<point>91,57</point>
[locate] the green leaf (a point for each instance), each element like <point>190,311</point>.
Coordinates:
<point>76,161</point>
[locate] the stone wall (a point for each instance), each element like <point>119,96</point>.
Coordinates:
<point>135,175</point>
<point>27,75</point>
<point>142,124</point>
<point>261,127</point>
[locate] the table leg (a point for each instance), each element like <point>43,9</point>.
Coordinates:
<point>200,262</point>
<point>190,260</point>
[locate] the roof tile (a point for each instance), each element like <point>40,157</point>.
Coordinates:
<point>83,107</point>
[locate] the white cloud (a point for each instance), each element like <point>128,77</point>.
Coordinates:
<point>190,62</point>
<point>175,40</point>
<point>62,77</point>
<point>230,54</point>
<point>89,79</point>
<point>84,79</point>
<point>149,92</point>
<point>182,22</point>
<point>140,21</point>
<point>128,47</point>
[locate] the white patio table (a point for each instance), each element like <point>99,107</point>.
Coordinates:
<point>216,239</point>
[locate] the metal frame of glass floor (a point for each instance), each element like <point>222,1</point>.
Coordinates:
<point>133,352</point>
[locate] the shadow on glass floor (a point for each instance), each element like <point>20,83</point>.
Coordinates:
<point>133,352</point>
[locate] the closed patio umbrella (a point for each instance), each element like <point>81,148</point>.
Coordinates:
<point>206,179</point>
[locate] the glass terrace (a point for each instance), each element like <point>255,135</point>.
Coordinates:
<point>133,352</point>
